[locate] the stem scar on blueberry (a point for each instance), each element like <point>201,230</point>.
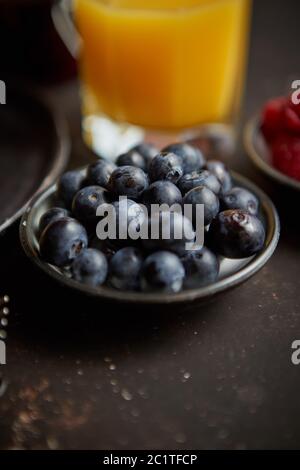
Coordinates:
<point>93,197</point>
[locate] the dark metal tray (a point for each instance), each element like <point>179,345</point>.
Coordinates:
<point>34,148</point>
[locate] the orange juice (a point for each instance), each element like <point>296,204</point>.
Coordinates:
<point>165,64</point>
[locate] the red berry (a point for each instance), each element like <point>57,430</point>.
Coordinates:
<point>286,154</point>
<point>272,117</point>
<point>291,121</point>
<point>295,107</point>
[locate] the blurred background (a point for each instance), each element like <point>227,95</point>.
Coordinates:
<point>33,54</point>
<point>30,46</point>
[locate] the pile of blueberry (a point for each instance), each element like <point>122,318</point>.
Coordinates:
<point>178,174</point>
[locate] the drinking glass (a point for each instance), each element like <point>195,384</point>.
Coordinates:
<point>157,70</point>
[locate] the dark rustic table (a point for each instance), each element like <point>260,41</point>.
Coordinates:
<point>86,375</point>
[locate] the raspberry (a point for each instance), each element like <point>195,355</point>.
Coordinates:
<point>286,154</point>
<point>295,107</point>
<point>272,117</point>
<point>291,120</point>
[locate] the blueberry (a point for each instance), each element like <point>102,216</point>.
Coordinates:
<point>199,178</point>
<point>148,151</point>
<point>86,202</point>
<point>98,173</point>
<point>192,158</point>
<point>162,271</point>
<point>90,267</point>
<point>68,185</point>
<point>105,246</point>
<point>165,166</point>
<point>174,231</point>
<point>62,241</point>
<point>162,192</point>
<point>220,170</point>
<point>51,215</point>
<point>203,195</point>
<point>240,198</point>
<point>124,269</point>
<point>129,214</point>
<point>128,181</point>
<point>132,158</point>
<point>236,234</point>
<point>201,268</point>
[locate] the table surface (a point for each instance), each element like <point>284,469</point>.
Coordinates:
<point>81,375</point>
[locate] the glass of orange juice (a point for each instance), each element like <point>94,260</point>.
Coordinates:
<point>159,70</point>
